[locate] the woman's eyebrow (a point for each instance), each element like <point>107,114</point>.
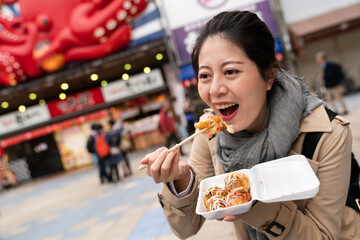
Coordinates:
<point>231,62</point>
<point>206,67</point>
<point>222,65</point>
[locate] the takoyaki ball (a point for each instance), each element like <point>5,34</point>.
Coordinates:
<point>213,124</point>
<point>236,180</point>
<point>216,202</point>
<point>237,196</point>
<point>213,192</point>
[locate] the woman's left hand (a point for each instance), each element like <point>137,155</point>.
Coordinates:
<point>231,218</point>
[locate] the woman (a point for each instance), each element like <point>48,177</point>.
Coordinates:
<point>270,112</point>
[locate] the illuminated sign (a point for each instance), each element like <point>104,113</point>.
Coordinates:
<point>135,85</point>
<point>18,120</point>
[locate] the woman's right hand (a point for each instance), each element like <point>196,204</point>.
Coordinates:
<point>165,166</point>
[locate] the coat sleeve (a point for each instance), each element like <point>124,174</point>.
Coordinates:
<point>322,216</point>
<point>180,212</point>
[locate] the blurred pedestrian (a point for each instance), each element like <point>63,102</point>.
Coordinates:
<point>117,154</point>
<point>332,75</point>
<point>126,146</point>
<point>90,143</point>
<point>91,147</point>
<point>167,126</point>
<point>105,161</point>
<point>271,113</point>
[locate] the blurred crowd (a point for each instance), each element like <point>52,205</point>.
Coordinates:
<point>109,150</point>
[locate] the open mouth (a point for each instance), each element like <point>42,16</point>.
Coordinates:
<point>227,109</point>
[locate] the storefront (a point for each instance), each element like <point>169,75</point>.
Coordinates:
<point>62,145</point>
<point>333,31</point>
<point>34,158</point>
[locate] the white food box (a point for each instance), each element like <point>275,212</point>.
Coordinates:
<point>285,179</point>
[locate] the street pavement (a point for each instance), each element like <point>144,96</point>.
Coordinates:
<point>74,205</point>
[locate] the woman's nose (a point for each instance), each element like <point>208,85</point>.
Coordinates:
<point>218,87</point>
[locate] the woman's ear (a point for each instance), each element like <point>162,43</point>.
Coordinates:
<point>270,76</point>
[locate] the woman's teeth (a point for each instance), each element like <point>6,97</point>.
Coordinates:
<point>227,109</point>
<point>223,106</point>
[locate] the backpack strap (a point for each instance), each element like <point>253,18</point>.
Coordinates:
<point>310,142</point>
<point>353,199</point>
<point>312,138</point>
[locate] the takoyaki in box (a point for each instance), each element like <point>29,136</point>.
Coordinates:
<point>285,179</point>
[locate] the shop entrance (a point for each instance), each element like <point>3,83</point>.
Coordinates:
<point>42,156</point>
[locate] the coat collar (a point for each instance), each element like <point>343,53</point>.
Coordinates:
<point>317,121</point>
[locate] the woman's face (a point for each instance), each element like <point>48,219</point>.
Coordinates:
<point>230,83</point>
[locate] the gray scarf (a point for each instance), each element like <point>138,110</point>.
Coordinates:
<point>288,103</point>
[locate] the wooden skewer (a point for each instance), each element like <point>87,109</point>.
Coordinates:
<point>141,167</point>
<point>187,139</point>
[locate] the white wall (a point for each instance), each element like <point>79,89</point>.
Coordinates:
<point>342,49</point>
<point>297,10</point>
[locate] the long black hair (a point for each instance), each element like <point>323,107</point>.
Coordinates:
<point>247,31</point>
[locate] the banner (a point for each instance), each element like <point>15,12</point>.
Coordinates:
<point>18,120</point>
<point>136,84</point>
<point>76,102</point>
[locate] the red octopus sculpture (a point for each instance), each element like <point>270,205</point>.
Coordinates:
<point>46,34</point>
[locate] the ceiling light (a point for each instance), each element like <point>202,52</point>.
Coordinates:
<point>104,83</point>
<point>32,96</point>
<point>62,96</point>
<point>159,56</point>
<point>22,108</point>
<point>42,102</point>
<point>125,76</point>
<point>147,70</point>
<point>94,77</point>
<point>4,104</point>
<point>64,86</point>
<point>127,66</point>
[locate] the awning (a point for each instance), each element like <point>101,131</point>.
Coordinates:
<point>324,26</point>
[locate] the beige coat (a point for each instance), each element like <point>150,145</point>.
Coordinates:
<point>316,218</point>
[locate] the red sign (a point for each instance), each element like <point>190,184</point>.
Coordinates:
<point>76,102</point>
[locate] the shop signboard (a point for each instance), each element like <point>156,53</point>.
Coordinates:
<point>76,102</point>
<point>137,84</point>
<point>48,129</point>
<point>185,29</point>
<point>71,142</point>
<point>14,121</point>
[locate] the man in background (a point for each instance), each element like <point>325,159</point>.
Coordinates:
<point>332,75</point>
<point>104,173</point>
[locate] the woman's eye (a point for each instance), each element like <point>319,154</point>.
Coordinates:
<point>203,76</point>
<point>230,72</point>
